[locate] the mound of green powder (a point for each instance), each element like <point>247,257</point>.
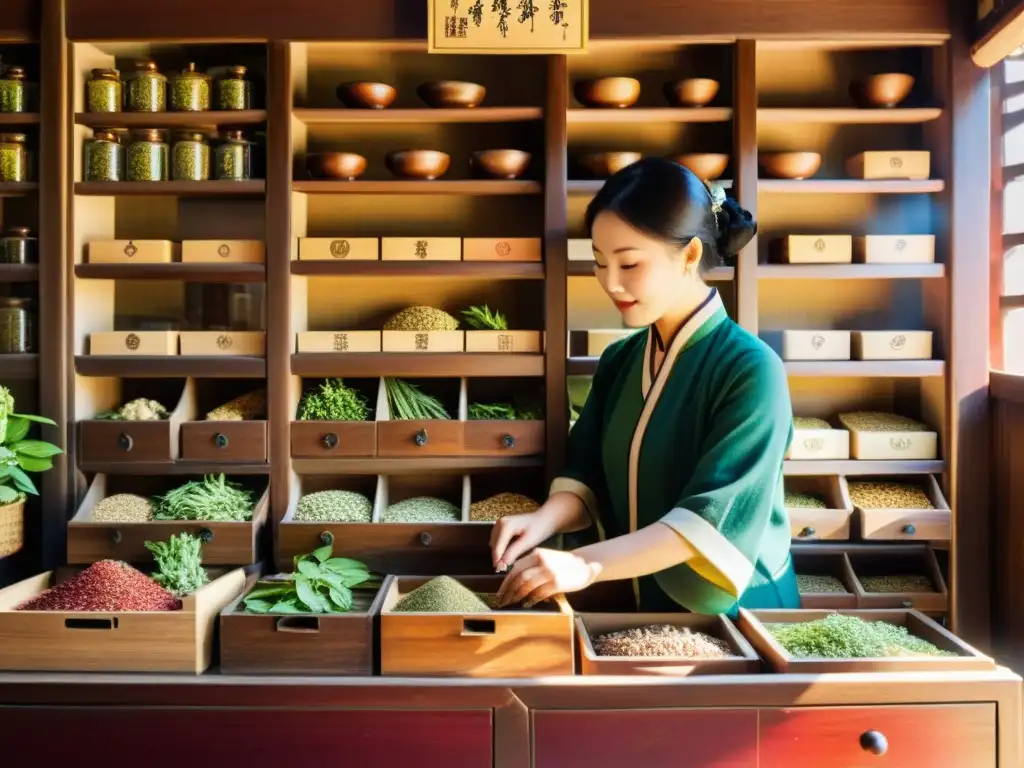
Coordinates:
<point>847,637</point>
<point>441,595</point>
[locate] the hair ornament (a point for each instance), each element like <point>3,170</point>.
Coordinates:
<point>717,193</point>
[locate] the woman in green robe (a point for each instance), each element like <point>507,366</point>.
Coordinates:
<point>677,454</point>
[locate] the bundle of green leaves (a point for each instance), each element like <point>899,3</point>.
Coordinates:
<point>407,401</point>
<point>503,412</point>
<point>212,498</point>
<point>18,454</point>
<point>482,319</point>
<point>333,401</point>
<point>319,584</point>
<point>179,564</point>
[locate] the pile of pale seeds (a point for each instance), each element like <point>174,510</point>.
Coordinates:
<point>808,422</point>
<point>335,507</point>
<point>422,509</point>
<point>422,318</point>
<point>811,583</point>
<point>897,584</point>
<point>804,501</point>
<point>661,640</point>
<point>889,496</point>
<point>876,421</point>
<point>123,508</point>
<point>502,505</point>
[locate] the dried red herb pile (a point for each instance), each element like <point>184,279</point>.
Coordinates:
<point>108,585</point>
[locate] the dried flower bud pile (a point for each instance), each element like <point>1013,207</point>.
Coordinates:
<point>895,584</point>
<point>441,595</point>
<point>804,501</point>
<point>108,585</point>
<point>252,405</point>
<point>847,637</point>
<point>807,422</point>
<point>139,409</point>
<point>811,583</point>
<point>876,421</point>
<point>502,505</point>
<point>420,318</point>
<point>889,496</point>
<point>334,506</point>
<point>422,509</point>
<point>661,640</point>
<point>123,508</point>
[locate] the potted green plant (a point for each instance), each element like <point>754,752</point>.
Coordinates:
<point>18,456</point>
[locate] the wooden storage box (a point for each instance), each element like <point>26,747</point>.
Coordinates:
<point>423,341</point>
<point>223,343</point>
<point>223,251</point>
<point>581,249</point>
<point>831,524</point>
<point>506,643</point>
<point>126,343</point>
<point>339,248</point>
<point>901,164</point>
<point>909,524</point>
<point>505,342</point>
<point>593,343</point>
<point>224,543</point>
<point>826,564</point>
<point>333,439</point>
<point>224,441</point>
<point>334,342</point>
<point>504,438</point>
<point>819,445</point>
<point>880,561</point>
<point>892,345</point>
<point>501,249</point>
<point>814,249</point>
<point>303,644</point>
<point>590,625</point>
<point>421,248</point>
<point>95,641</point>
<point>967,659</point>
<point>108,440</point>
<point>131,252</point>
<point>881,445</point>
<point>895,249</point>
<point>815,345</point>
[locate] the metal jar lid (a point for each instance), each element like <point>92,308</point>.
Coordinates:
<point>15,302</point>
<point>193,136</point>
<point>22,232</point>
<point>147,69</point>
<point>106,74</point>
<point>235,136</point>
<point>12,138</point>
<point>153,135</point>
<point>191,73</point>
<point>237,72</point>
<point>105,134</point>
<point>14,73</point>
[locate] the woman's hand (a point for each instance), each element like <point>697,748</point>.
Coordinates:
<point>543,573</point>
<point>515,535</point>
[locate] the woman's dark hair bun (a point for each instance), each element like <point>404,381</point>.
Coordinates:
<point>736,228</point>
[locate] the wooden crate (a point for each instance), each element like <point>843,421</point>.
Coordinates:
<point>819,445</point>
<point>815,345</point>
<point>832,524</point>
<point>504,438</point>
<point>337,342</point>
<point>902,164</point>
<point>826,564</point>
<point>223,343</point>
<point>93,641</point>
<point>813,249</point>
<point>333,439</point>
<point>339,248</point>
<point>225,543</point>
<point>501,249</point>
<point>505,342</point>
<point>589,625</point>
<point>224,441</point>
<point>895,249</point>
<point>889,561</point>
<point>223,251</point>
<point>581,249</point>
<point>127,343</point>
<point>893,445</point>
<point>968,659</point>
<point>909,524</point>
<point>421,248</point>
<point>307,644</point>
<point>892,345</point>
<point>506,643</point>
<point>131,252</point>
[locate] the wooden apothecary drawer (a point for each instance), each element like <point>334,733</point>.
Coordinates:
<point>423,341</point>
<point>892,345</point>
<point>420,438</point>
<point>421,248</point>
<point>814,249</point>
<point>335,342</point>
<point>223,343</point>
<point>223,251</point>
<point>127,343</point>
<point>815,345</point>
<point>895,249</point>
<point>918,736</point>
<point>331,439</point>
<point>881,563</point>
<point>504,438</point>
<point>339,248</point>
<point>820,523</point>
<point>907,524</point>
<point>835,564</point>
<point>131,252</point>
<point>890,165</point>
<point>127,441</point>
<point>505,342</point>
<point>224,441</point>
<point>501,249</point>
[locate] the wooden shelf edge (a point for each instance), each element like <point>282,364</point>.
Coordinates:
<point>834,547</point>
<point>852,186</point>
<point>213,366</point>
<point>13,367</point>
<point>581,366</point>
<point>172,468</point>
<point>847,115</point>
<point>593,186</point>
<point>424,115</point>
<point>856,467</point>
<point>19,118</point>
<point>418,365</point>
<point>17,188</point>
<point>389,466</point>
<point>867,368</point>
<point>189,273</point>
<point>497,270</point>
<point>19,273</point>
<point>600,116</point>
<point>850,271</point>
<point>170,119</point>
<point>406,187</point>
<point>252,187</point>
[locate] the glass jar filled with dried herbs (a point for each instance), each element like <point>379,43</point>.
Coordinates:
<point>234,157</point>
<point>103,91</point>
<point>148,156</point>
<point>18,246</point>
<point>147,89</point>
<point>13,157</point>
<point>16,322</point>
<point>190,90</point>
<point>12,90</point>
<point>190,158</point>
<point>233,90</point>
<point>103,157</point>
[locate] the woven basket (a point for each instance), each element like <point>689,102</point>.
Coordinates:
<point>12,527</point>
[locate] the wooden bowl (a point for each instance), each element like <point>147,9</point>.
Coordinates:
<point>705,165</point>
<point>500,163</point>
<point>366,95</point>
<point>426,164</point>
<point>601,165</point>
<point>335,165</point>
<point>618,92</point>
<point>452,94</point>
<point>790,165</point>
<point>692,92</point>
<point>884,90</point>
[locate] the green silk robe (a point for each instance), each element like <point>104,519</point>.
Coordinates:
<point>697,445</point>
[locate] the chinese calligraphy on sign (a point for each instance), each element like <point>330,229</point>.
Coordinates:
<point>508,26</point>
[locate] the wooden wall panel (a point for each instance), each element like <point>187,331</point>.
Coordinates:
<point>20,20</point>
<point>1008,518</point>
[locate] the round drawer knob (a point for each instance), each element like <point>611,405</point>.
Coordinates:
<point>874,743</point>
<point>326,538</point>
<point>220,440</point>
<point>115,536</point>
<point>420,438</point>
<point>206,535</point>
<point>909,529</point>
<point>508,441</point>
<point>807,532</point>
<point>330,441</point>
<point>125,442</point>
<point>425,539</point>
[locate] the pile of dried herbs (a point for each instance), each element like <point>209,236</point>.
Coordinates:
<point>838,636</point>
<point>333,401</point>
<point>409,402</point>
<point>179,564</point>
<point>212,498</point>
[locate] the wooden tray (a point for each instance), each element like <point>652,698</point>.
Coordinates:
<point>883,560</point>
<point>224,441</point>
<point>827,564</point>
<point>593,342</point>
<point>501,249</point>
<point>94,641</point>
<point>831,524</point>
<point>590,624</point>
<point>508,643</point>
<point>751,623</point>
<point>333,439</point>
<point>504,438</point>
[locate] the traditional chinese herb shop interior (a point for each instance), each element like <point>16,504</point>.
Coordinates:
<point>297,300</point>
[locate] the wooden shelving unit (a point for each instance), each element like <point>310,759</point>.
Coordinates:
<point>187,273</point>
<point>851,271</point>
<point>19,273</point>
<point>851,186</point>
<point>172,119</point>
<point>399,116</point>
<point>847,115</point>
<point>454,364</point>
<point>155,367</point>
<point>22,366</point>
<point>177,188</point>
<point>437,187</point>
<point>450,270</point>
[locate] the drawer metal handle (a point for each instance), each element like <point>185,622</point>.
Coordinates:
<point>326,538</point>
<point>329,441</point>
<point>206,535</point>
<point>508,441</point>
<point>808,531</point>
<point>125,442</point>
<point>425,539</point>
<point>220,440</point>
<point>874,743</point>
<point>909,529</point>
<point>115,536</point>
<point>421,438</point>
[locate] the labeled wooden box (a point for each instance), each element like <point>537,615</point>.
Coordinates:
<point>127,343</point>
<point>100,641</point>
<point>898,524</point>
<point>423,341</point>
<point>501,249</point>
<point>131,252</point>
<point>506,643</point>
<point>813,249</point>
<point>819,445</point>
<point>895,249</point>
<point>223,251</point>
<point>882,561</point>
<point>337,341</point>
<point>829,524</point>
<point>826,564</point>
<point>505,342</point>
<point>223,343</point>
<point>581,249</point>
<point>593,342</point>
<point>421,248</point>
<point>504,438</point>
<point>902,164</point>
<point>590,625</point>
<point>224,441</point>
<point>891,445</point>
<point>224,543</point>
<point>301,644</point>
<point>815,345</point>
<point>892,345</point>
<point>339,248</point>
<point>752,625</point>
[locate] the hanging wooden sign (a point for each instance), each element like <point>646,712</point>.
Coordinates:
<point>507,26</point>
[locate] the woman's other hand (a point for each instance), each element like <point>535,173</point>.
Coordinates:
<point>516,535</point>
<point>543,573</point>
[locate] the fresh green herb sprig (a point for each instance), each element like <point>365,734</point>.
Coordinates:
<point>320,584</point>
<point>503,412</point>
<point>409,402</point>
<point>482,319</point>
<point>333,401</point>
<point>213,498</point>
<point>179,564</point>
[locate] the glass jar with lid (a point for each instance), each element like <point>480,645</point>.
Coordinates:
<point>234,157</point>
<point>18,246</point>
<point>190,158</point>
<point>234,92</point>
<point>190,90</point>
<point>16,326</point>
<point>103,157</point>
<point>147,89</point>
<point>147,156</point>
<point>12,90</point>
<point>103,91</point>
<point>13,157</point>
